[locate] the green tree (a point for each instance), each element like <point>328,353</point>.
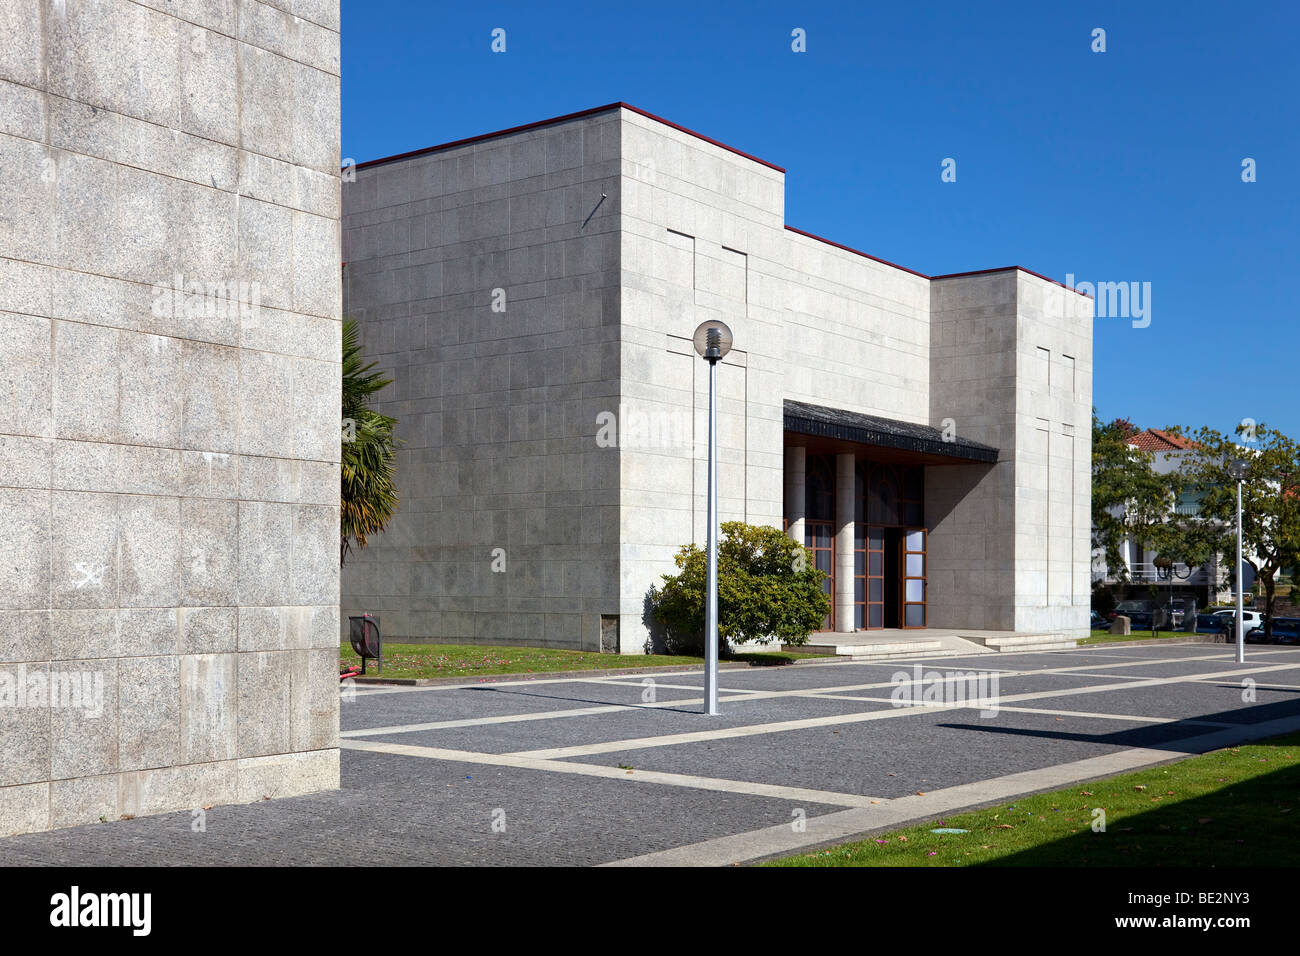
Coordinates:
<point>1270,500</point>
<point>1129,498</point>
<point>368,494</point>
<point>767,586</point>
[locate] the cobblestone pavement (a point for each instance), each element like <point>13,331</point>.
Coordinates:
<point>605,769</point>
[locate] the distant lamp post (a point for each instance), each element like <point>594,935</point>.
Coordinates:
<point>713,341</point>
<point>1167,570</point>
<point>1239,469</point>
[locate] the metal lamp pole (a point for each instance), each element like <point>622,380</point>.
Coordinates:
<point>1239,469</point>
<point>712,341</point>
<point>1241,602</point>
<point>1164,569</point>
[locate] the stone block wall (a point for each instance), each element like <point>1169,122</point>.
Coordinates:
<point>169,405</point>
<point>485,280</point>
<point>1009,545</point>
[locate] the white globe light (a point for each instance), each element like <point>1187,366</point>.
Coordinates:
<point>713,340</point>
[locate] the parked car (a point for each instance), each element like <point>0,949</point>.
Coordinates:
<point>1129,608</point>
<point>1099,623</point>
<point>1177,608</point>
<point>1286,630</point>
<point>1211,624</point>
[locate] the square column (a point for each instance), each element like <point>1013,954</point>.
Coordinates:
<point>796,499</point>
<point>845,491</point>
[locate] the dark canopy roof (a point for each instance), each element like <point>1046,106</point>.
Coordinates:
<point>836,423</point>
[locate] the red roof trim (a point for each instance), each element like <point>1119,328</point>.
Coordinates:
<point>713,142</point>
<point>564,119</point>
<point>1037,275</point>
<point>856,252</point>
<point>691,132</point>
<point>951,275</point>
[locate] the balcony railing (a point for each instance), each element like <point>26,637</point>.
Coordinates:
<point>1147,573</point>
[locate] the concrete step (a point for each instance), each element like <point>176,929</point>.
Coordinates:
<point>1009,639</point>
<point>1010,645</point>
<point>922,655</point>
<point>865,651</point>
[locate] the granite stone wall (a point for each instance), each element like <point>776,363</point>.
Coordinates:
<point>485,281</point>
<point>169,405</point>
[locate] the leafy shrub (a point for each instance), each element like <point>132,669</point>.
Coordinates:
<point>767,587</point>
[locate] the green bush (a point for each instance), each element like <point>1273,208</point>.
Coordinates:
<point>767,586</point>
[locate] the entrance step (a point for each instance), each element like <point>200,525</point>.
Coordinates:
<point>900,644</point>
<point>1027,642</point>
<point>868,651</point>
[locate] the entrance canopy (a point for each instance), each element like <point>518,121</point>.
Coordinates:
<point>920,444</point>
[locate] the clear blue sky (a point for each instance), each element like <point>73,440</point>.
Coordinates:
<point>1116,166</point>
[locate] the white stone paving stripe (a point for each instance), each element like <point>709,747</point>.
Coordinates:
<point>1059,713</point>
<point>672,740</point>
<point>902,811</point>
<point>738,695</point>
<point>372,689</point>
<point>534,715</point>
<point>801,794</point>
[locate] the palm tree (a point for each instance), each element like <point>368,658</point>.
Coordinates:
<point>368,495</point>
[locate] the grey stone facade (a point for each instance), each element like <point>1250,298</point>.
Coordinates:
<point>169,405</point>
<point>523,523</point>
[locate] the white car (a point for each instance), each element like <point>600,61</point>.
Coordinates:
<point>1251,618</point>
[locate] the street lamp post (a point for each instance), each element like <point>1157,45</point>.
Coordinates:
<point>713,341</point>
<point>1239,468</point>
<point>1166,570</point>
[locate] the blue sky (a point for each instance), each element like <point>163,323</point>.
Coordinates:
<point>1122,166</point>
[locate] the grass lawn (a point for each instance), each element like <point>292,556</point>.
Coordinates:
<point>1102,637</point>
<point>474,660</point>
<point>1230,807</point>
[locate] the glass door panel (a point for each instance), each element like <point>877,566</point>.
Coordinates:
<point>913,584</point>
<point>874,577</point>
<point>820,540</point>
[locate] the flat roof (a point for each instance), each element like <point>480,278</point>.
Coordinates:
<point>713,142</point>
<point>564,119</point>
<point>836,423</point>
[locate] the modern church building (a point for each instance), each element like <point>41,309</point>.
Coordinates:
<point>533,294</point>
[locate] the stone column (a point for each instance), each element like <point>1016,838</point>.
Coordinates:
<point>845,491</point>
<point>796,499</point>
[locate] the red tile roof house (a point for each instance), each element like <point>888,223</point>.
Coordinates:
<point>1209,583</point>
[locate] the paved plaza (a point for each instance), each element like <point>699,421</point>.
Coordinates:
<point>625,770</point>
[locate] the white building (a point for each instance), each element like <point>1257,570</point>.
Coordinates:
<point>1211,581</point>
<point>927,436</point>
